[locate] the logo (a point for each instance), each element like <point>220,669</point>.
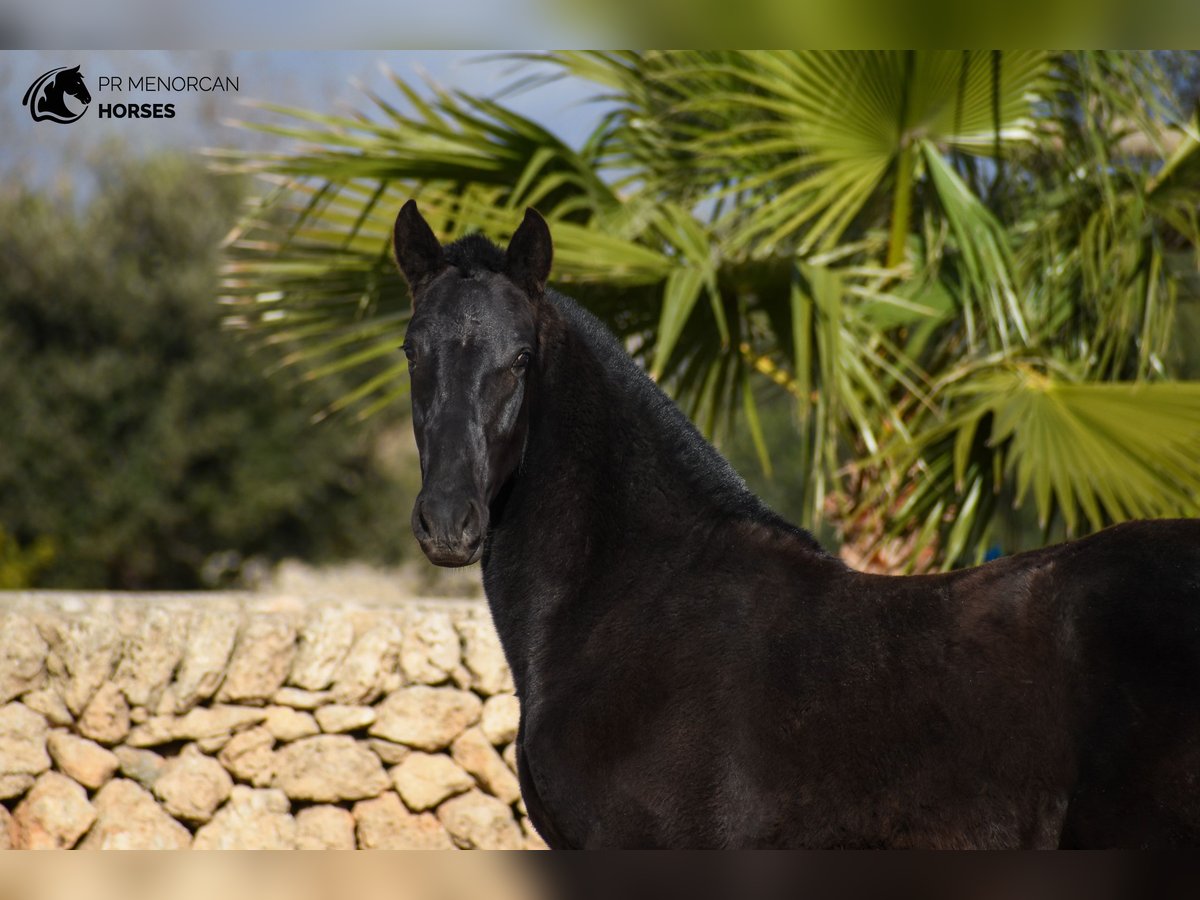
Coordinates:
<point>47,97</point>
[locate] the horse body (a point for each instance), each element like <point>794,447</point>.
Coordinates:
<point>694,671</point>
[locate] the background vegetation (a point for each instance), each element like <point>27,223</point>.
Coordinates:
<point>143,446</point>
<point>938,305</point>
<point>965,273</point>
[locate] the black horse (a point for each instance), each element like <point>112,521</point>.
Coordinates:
<point>694,671</point>
<point>45,97</point>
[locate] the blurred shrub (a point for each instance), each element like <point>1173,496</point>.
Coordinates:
<point>137,436</point>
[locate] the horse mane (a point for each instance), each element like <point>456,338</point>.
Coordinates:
<point>473,253</point>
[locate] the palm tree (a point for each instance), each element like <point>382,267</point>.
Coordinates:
<point>962,266</point>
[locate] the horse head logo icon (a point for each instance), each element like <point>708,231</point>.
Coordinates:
<point>46,97</point>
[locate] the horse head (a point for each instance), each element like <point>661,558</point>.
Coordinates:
<point>472,351</point>
<point>70,81</point>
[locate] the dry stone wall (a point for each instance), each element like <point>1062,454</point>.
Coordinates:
<point>242,721</point>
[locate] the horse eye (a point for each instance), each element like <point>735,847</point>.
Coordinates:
<point>409,352</point>
<point>522,359</point>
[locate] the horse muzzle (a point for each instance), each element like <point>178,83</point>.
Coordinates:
<point>450,530</point>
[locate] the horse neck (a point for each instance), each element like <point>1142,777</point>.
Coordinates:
<point>611,474</point>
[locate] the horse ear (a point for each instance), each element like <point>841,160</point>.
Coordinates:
<point>530,253</point>
<point>416,248</point>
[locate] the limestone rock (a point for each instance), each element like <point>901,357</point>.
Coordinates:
<point>151,654</point>
<point>82,760</point>
<point>477,821</point>
<point>54,814</point>
<point>8,830</point>
<point>82,652</point>
<point>143,766</point>
<point>384,824</point>
<point>390,753</point>
<point>427,718</point>
<point>197,724</point>
<point>361,675</point>
<point>127,818</point>
<point>213,745</point>
<point>260,662</point>
<point>106,718</point>
<point>324,828</point>
<point>14,785</point>
<point>209,643</point>
<point>500,718</point>
<point>301,699</point>
<point>473,752</point>
<point>251,820</point>
<point>337,718</point>
<point>510,756</point>
<point>533,840</point>
<point>22,656</point>
<point>22,741</point>
<point>192,786</point>
<point>47,702</point>
<point>485,658</point>
<point>249,757</point>
<point>431,648</point>
<point>328,768</point>
<point>286,724</point>
<point>324,642</point>
<point>424,780</point>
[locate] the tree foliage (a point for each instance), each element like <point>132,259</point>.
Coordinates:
<point>964,267</point>
<point>139,438</point>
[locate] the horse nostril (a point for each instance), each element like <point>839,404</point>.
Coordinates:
<point>468,526</point>
<point>420,523</point>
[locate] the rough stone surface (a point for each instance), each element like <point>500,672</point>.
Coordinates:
<point>500,718</point>
<point>54,814</point>
<point>423,755</point>
<point>390,753</point>
<point>8,830</point>
<point>15,785</point>
<point>151,654</point>
<point>431,648</point>
<point>427,718</point>
<point>337,718</point>
<point>192,786</point>
<point>260,662</point>
<point>324,828</point>
<point>82,760</point>
<point>474,752</point>
<point>327,768</point>
<point>533,840</point>
<point>249,757</point>
<point>297,698</point>
<point>82,652</point>
<point>143,766</point>
<point>251,820</point>
<point>22,656</point>
<point>476,821</point>
<point>384,824</point>
<point>209,643</point>
<point>47,702</point>
<point>360,677</point>
<point>127,818</point>
<point>324,642</point>
<point>197,724</point>
<point>424,780</point>
<point>510,756</point>
<point>484,657</point>
<point>287,724</point>
<point>106,718</point>
<point>22,741</point>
